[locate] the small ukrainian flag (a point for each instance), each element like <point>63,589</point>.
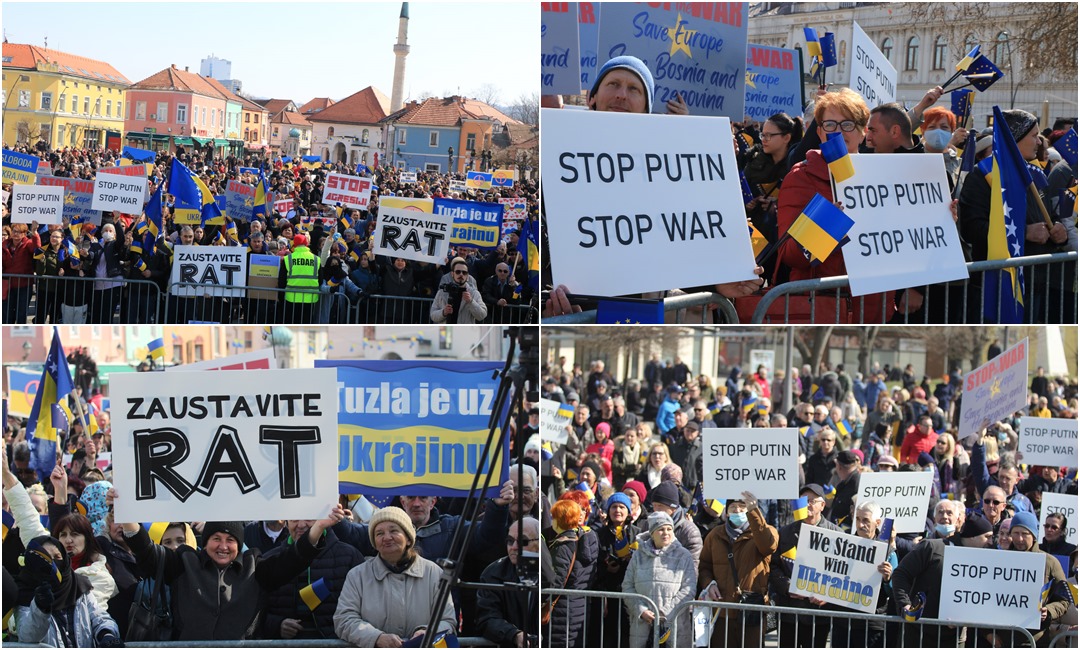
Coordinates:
<point>821,227</point>
<point>830,491</point>
<point>835,152</point>
<point>9,523</point>
<point>565,411</point>
<point>314,594</point>
<point>156,348</point>
<point>799,508</point>
<point>813,45</point>
<point>1046,591</point>
<point>845,428</point>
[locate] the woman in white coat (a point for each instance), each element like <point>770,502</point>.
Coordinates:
<point>663,570</point>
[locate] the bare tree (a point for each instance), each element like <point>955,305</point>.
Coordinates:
<point>812,343</point>
<point>527,108</point>
<point>487,93</point>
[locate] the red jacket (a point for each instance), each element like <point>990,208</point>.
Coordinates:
<point>800,185</point>
<point>915,443</point>
<point>19,260</point>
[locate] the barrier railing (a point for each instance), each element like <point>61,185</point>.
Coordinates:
<point>407,310</point>
<point>594,631</point>
<point>958,302</point>
<point>463,641</point>
<point>848,629</point>
<point>674,303</point>
<point>1065,639</point>
<point>76,300</point>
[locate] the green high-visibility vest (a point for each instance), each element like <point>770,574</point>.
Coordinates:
<point>302,268</point>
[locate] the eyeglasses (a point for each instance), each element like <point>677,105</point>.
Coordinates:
<point>1050,527</point>
<point>992,502</point>
<point>501,271</point>
<point>769,136</point>
<point>830,126</point>
<point>657,453</point>
<point>510,541</point>
<point>460,272</point>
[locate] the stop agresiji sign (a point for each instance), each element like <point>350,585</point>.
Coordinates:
<point>350,191</point>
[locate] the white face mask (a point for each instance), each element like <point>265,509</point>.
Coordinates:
<point>108,236</point>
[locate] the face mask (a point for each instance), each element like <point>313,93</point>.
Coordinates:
<point>108,236</point>
<point>937,138</point>
<point>738,519</point>
<point>944,530</point>
<point>1003,437</point>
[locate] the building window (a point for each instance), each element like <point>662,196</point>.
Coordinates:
<point>62,106</point>
<point>162,112</point>
<point>181,113</point>
<point>256,118</point>
<point>203,121</point>
<point>127,110</point>
<point>24,99</point>
<point>401,136</point>
<point>941,53</point>
<point>108,108</point>
<point>364,137</point>
<point>886,47</point>
<point>470,142</point>
<point>433,139</point>
<point>140,110</point>
<point>275,132</point>
<point>329,131</point>
<point>60,135</point>
<point>86,106</point>
<point>911,59</point>
<point>45,133</point>
<point>46,101</point>
<point>213,117</point>
<point>97,106</point>
<point>432,167</point>
<point>1001,50</point>
<point>247,118</point>
<point>198,350</point>
<point>401,165</point>
<point>75,104</point>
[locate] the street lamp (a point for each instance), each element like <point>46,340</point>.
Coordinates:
<point>26,349</point>
<point>450,159</point>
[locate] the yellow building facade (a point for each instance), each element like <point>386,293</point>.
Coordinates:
<point>59,98</point>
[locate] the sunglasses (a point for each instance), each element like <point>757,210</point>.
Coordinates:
<point>510,541</point>
<point>457,272</point>
<point>1050,527</point>
<point>992,502</point>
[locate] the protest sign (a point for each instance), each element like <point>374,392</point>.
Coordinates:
<point>560,63</point>
<point>838,568</point>
<point>421,237</point>
<point>44,168</point>
<point>872,76</point>
<point>133,171</point>
<point>588,35</point>
<point>697,50</point>
<point>19,167</point>
<point>254,360</point>
<point>78,196</point>
<point>983,585</point>
<point>457,185</point>
<point>994,390</point>
<point>209,271</point>
<point>1064,504</point>
<point>263,274</point>
<point>119,193</point>
<point>283,206</point>
<point>476,225</point>
<point>903,496</point>
<point>415,427</point>
<point>478,180</point>
<point>407,177</point>
<point>350,191</point>
<point>765,358</point>
<point>763,461</point>
<point>665,193</point>
<point>239,201</point>
<point>1048,441</point>
<point>224,446</point>
<point>773,82</point>
<point>502,178</point>
<point>553,420</point>
<point>514,213</point>
<point>22,385</point>
<point>44,205</point>
<point>904,235</point>
<point>405,203</point>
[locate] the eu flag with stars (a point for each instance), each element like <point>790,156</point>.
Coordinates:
<point>961,104</point>
<point>983,66</point>
<point>629,312</point>
<point>55,385</point>
<point>1004,289</point>
<point>1066,146</point>
<point>828,50</point>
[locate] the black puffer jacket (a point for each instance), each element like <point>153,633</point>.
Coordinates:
<point>332,564</point>
<point>501,614</point>
<point>573,555</point>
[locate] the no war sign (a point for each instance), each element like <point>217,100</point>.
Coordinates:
<point>412,235</point>
<point>763,461</point>
<point>665,193</point>
<point>241,445</point>
<point>44,205</point>
<point>1048,441</point>
<point>119,193</point>
<point>994,390</point>
<point>203,270</point>
<point>1065,505</point>
<point>349,191</point>
<point>990,586</point>
<point>903,497</point>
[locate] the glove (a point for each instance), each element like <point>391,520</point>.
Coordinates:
<point>109,640</point>
<point>43,598</point>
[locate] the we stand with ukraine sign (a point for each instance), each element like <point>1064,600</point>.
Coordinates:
<point>415,427</point>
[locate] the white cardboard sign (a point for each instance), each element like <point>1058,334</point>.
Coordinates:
<point>994,390</point>
<point>244,445</point>
<point>904,235</point>
<point>117,193</point>
<point>1048,441</point>
<point>418,236</point>
<point>669,192</point>
<point>838,568</point>
<point>254,360</point>
<point>762,461</point>
<point>209,267</point>
<point>44,205</point>
<point>1066,504</point>
<point>904,497</point>
<point>350,191</point>
<point>872,76</point>
<point>552,424</point>
<point>983,585</point>
<point>407,177</point>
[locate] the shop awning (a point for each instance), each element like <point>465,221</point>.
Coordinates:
<point>104,370</point>
<point>202,141</point>
<point>183,140</point>
<point>221,142</point>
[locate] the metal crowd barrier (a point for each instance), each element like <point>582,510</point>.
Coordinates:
<point>74,300</point>
<point>406,310</point>
<point>1065,639</point>
<point>594,635</point>
<point>848,629</point>
<point>952,299</point>
<point>723,306</point>
<point>463,641</point>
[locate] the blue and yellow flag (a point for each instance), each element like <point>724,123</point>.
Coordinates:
<point>314,594</point>
<point>844,428</point>
<point>821,227</point>
<point>584,487</point>
<point>799,510</point>
<point>834,151</point>
<point>55,385</point>
<point>311,162</point>
<point>961,104</point>
<point>968,59</point>
<point>529,247</point>
<point>748,404</point>
<point>828,50</point>
<point>1008,179</point>
<point>623,545</point>
<point>441,640</point>
<point>1045,594</point>
<point>813,46</point>
<point>8,524</point>
<point>156,349</point>
<point>830,491</point>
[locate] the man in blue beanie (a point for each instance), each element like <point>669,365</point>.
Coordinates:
<point>625,85</point>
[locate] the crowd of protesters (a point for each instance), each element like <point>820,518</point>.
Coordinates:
<point>784,168</point>
<point>366,573</point>
<point>358,285</point>
<point>629,514</point>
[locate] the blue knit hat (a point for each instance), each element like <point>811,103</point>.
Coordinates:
<point>633,64</point>
<point>1026,520</point>
<point>617,497</point>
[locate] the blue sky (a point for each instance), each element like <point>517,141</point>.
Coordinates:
<point>300,50</point>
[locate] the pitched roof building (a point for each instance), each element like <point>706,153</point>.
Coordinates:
<point>349,131</point>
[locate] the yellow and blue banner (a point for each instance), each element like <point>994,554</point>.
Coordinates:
<point>19,168</point>
<point>195,204</point>
<point>156,349</point>
<point>834,151</point>
<point>844,428</point>
<point>821,227</point>
<point>315,594</point>
<point>968,59</point>
<point>134,156</point>
<point>415,427</point>
<point>502,178</point>
<point>479,180</point>
<point>54,386</point>
<point>476,224</point>
<point>311,162</point>
<point>22,386</point>
<point>1008,179</point>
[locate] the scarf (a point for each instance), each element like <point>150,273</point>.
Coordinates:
<point>733,532</point>
<point>630,455</point>
<point>72,585</point>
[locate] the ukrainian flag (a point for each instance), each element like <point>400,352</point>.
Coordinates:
<point>830,491</point>
<point>821,227</point>
<point>748,404</point>
<point>156,348</point>
<point>584,487</point>
<point>762,408</point>
<point>968,59</point>
<point>565,411</point>
<point>844,428</point>
<point>529,247</point>
<point>55,385</point>
<point>8,524</point>
<point>314,594</point>
<point>311,162</point>
<point>1008,179</point>
<point>813,46</point>
<point>799,508</point>
<point>835,152</point>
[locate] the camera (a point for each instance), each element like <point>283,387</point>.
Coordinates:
<point>453,289</point>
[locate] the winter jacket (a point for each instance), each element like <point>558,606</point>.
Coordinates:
<point>983,479</point>
<point>607,580</point>
<point>819,467</point>
<point>915,443</point>
<point>332,564</point>
<point>800,185</point>
<point>686,531</point>
<point>752,551</point>
<point>667,576</point>
<point>840,511</point>
<point>501,614</point>
<point>255,537</point>
<point>573,569</point>
<point>90,621</point>
<point>665,417</point>
<point>466,313</point>
<point>376,601</point>
<point>209,603</point>
<point>19,260</point>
